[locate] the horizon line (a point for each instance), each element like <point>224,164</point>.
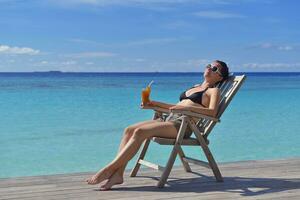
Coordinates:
<point>57,71</point>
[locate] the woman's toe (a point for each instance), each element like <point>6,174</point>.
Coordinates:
<point>103,188</point>
<point>90,181</point>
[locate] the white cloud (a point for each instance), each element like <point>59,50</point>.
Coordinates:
<point>196,62</point>
<point>120,2</point>
<point>157,5</point>
<point>141,42</point>
<point>285,48</point>
<point>84,41</point>
<point>139,60</point>
<point>178,24</point>
<point>189,65</point>
<point>92,55</point>
<point>5,49</point>
<point>143,2</point>
<point>55,64</point>
<point>266,45</point>
<point>89,63</point>
<point>217,15</point>
<point>152,41</point>
<point>271,65</point>
<point>69,62</point>
<point>273,46</point>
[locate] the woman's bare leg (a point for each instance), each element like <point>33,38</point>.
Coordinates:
<point>161,129</point>
<point>128,132</point>
<point>126,137</point>
<point>117,177</point>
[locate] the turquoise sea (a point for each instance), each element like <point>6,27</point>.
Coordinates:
<point>72,122</point>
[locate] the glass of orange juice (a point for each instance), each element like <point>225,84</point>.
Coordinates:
<point>146,93</point>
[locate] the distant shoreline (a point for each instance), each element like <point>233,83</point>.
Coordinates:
<point>62,72</point>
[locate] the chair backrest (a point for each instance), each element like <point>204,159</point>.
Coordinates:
<point>228,90</point>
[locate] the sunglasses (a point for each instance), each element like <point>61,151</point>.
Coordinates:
<point>214,69</point>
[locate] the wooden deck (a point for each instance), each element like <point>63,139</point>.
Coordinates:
<point>275,179</point>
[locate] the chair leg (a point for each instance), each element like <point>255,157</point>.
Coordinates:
<point>141,156</point>
<point>213,164</point>
<point>185,164</point>
<point>176,150</point>
<point>208,154</point>
<point>168,168</point>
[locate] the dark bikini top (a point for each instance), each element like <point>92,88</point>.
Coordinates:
<point>195,97</point>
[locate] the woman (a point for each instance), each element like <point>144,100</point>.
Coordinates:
<point>202,98</point>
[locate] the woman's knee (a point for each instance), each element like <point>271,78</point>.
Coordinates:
<point>129,131</point>
<point>138,134</point>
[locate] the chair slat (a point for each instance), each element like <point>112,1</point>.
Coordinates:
<point>225,87</point>
<point>227,94</point>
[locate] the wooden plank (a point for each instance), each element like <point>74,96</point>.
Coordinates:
<point>151,165</point>
<point>170,141</point>
<point>278,179</point>
<point>197,162</point>
<point>172,191</point>
<point>226,167</point>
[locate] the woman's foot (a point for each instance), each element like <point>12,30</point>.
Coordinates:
<point>115,179</point>
<point>99,177</point>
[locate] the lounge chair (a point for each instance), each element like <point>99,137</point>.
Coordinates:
<point>201,129</point>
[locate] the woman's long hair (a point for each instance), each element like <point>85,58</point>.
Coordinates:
<point>224,71</point>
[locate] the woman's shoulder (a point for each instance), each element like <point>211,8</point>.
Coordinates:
<point>214,90</point>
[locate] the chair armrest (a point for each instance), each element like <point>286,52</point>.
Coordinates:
<point>161,110</point>
<point>194,114</point>
<point>157,109</point>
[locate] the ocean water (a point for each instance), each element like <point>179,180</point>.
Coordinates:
<point>55,123</point>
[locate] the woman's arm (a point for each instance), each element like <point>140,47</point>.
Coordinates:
<point>161,104</point>
<point>153,104</point>
<point>213,107</point>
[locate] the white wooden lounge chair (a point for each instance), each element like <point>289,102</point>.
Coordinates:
<point>201,130</point>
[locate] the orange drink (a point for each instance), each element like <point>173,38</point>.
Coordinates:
<point>146,93</point>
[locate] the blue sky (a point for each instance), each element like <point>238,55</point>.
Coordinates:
<point>148,35</point>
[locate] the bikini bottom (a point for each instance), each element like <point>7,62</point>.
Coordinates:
<point>176,119</point>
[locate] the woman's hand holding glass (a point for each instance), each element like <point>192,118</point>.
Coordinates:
<point>147,105</point>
